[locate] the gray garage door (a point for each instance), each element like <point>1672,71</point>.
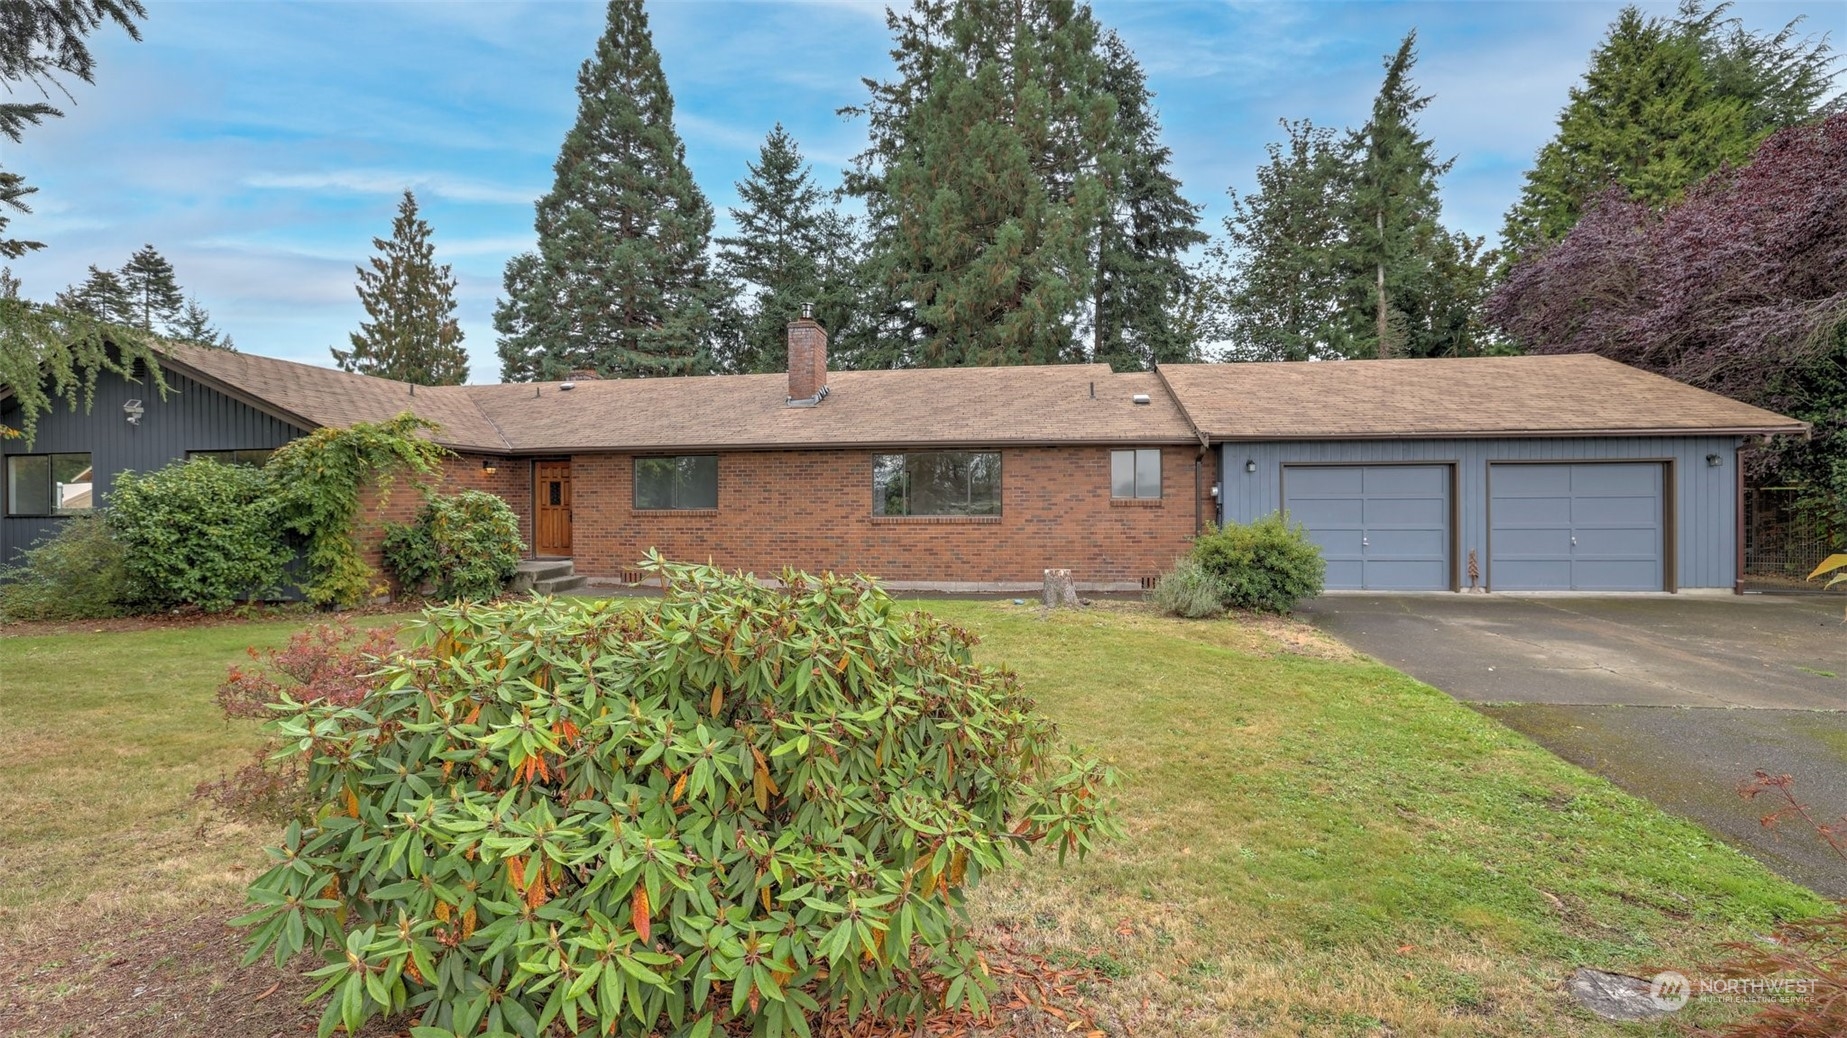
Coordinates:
<point>1584,527</point>
<point>1380,527</point>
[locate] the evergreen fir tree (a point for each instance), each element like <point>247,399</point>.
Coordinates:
<point>1648,118</point>
<point>154,295</point>
<point>1279,290</point>
<point>619,283</point>
<point>1142,279</point>
<point>1393,231</point>
<point>101,295</point>
<point>194,326</point>
<point>791,248</point>
<point>412,334</point>
<point>985,181</point>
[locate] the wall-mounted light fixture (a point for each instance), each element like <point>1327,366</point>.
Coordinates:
<point>488,466</point>
<point>1250,465</point>
<point>133,411</point>
<point>1714,461</point>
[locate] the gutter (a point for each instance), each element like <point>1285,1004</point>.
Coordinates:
<point>1796,429</point>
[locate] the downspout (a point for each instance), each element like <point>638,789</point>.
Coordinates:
<point>1199,488</point>
<point>1738,516</point>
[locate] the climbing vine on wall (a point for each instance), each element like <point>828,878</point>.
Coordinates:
<point>319,481</point>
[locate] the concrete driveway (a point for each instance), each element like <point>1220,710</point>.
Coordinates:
<point>1675,698</point>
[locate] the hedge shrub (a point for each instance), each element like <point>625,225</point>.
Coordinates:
<point>733,804</point>
<point>76,575</point>
<point>463,546</point>
<point>198,533</point>
<point>1268,565</point>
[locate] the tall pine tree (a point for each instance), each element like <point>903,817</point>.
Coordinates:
<point>154,296</point>
<point>1664,103</point>
<point>412,334</point>
<point>619,283</point>
<point>1142,279</point>
<point>790,248</point>
<point>985,181</point>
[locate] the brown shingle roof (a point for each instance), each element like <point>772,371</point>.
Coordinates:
<point>936,407</point>
<point>310,396</point>
<point>1571,395</point>
<point>952,406</point>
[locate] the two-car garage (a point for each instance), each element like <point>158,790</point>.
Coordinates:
<point>1537,473</point>
<point>1574,526</point>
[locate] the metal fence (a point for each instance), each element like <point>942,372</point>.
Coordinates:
<point>1784,537</point>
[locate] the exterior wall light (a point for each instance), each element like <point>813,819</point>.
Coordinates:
<point>1714,461</point>
<point>1250,465</point>
<point>133,411</point>
<point>488,466</point>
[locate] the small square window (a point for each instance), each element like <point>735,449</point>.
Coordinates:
<point>49,484</point>
<point>1135,474</point>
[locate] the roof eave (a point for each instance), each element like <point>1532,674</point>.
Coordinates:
<point>1794,429</point>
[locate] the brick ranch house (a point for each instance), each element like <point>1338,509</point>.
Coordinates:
<point>1546,472</point>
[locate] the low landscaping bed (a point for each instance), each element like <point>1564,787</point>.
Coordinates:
<point>1316,844</point>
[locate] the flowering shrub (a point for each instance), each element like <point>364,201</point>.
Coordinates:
<point>735,806</point>
<point>328,663</point>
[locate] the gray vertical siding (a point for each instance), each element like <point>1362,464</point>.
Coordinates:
<point>1705,526</point>
<point>192,417</point>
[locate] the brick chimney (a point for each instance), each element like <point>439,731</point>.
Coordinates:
<point>807,360</point>
<point>584,375</point>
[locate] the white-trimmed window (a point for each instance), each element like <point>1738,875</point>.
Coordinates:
<point>1135,474</point>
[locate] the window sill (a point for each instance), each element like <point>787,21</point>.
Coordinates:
<point>902,520</point>
<point>1135,502</point>
<point>675,511</point>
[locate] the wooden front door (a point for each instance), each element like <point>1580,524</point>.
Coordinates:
<point>551,492</point>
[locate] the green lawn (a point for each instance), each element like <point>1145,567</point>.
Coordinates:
<point>1316,844</point>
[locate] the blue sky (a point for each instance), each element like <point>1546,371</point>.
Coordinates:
<point>261,145</point>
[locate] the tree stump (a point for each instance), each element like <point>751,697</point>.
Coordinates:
<point>1060,589</point>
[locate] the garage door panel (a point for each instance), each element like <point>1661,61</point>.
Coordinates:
<point>1606,478</point>
<point>1428,544</point>
<point>1591,511</point>
<point>1616,574</point>
<point>1514,574</point>
<point>1379,526</point>
<point>1335,542</point>
<point>1404,480</point>
<point>1396,511</point>
<point>1546,542</point>
<point>1345,574</point>
<point>1319,481</point>
<point>1633,544</point>
<point>1316,513</point>
<point>1577,525</point>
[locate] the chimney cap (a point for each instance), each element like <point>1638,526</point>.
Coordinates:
<point>807,311</point>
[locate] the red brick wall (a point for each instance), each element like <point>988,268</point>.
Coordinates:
<point>511,481</point>
<point>813,510</point>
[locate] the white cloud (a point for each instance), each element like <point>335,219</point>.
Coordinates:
<point>386,182</point>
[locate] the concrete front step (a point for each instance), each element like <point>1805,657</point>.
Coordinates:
<point>546,569</point>
<point>559,585</point>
